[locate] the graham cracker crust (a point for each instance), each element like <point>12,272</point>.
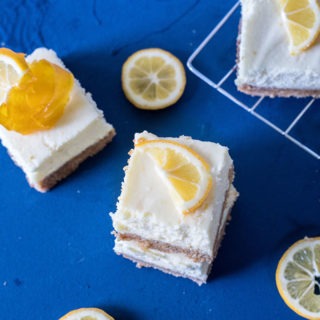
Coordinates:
<point>141,264</point>
<point>70,166</point>
<point>273,92</point>
<point>163,246</point>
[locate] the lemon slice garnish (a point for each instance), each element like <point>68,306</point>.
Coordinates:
<point>12,67</point>
<point>184,171</point>
<point>87,314</point>
<point>301,19</point>
<point>298,278</point>
<point>153,79</point>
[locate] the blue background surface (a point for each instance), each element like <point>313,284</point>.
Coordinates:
<point>56,248</point>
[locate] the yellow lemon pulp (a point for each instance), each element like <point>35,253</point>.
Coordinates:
<point>87,314</point>
<point>298,278</point>
<point>38,101</point>
<point>186,173</point>
<point>302,22</point>
<point>153,79</point>
<point>12,68</point>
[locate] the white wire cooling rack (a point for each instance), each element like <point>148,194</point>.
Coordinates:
<point>254,108</point>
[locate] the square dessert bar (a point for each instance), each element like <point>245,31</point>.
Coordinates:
<point>265,65</point>
<point>149,227</point>
<point>48,156</point>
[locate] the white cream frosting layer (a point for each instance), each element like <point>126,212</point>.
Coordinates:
<point>264,58</point>
<point>145,207</point>
<point>41,153</point>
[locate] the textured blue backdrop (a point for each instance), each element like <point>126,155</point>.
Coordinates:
<point>56,248</point>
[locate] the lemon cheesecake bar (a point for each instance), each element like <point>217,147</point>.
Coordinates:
<point>47,156</point>
<point>278,48</point>
<point>174,205</point>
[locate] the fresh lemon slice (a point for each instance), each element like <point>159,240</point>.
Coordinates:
<point>184,171</point>
<point>302,22</point>
<point>153,79</point>
<point>298,278</point>
<point>12,67</point>
<point>87,314</point>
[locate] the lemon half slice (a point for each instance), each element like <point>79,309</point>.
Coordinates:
<point>301,19</point>
<point>298,278</point>
<point>153,79</point>
<point>12,67</point>
<point>87,314</point>
<point>184,171</point>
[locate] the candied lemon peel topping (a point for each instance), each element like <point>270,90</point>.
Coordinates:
<point>87,314</point>
<point>185,172</point>
<point>153,79</point>
<point>301,19</point>
<point>298,277</point>
<point>37,98</point>
<point>12,67</point>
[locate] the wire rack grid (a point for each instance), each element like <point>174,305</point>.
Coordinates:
<point>254,108</point>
